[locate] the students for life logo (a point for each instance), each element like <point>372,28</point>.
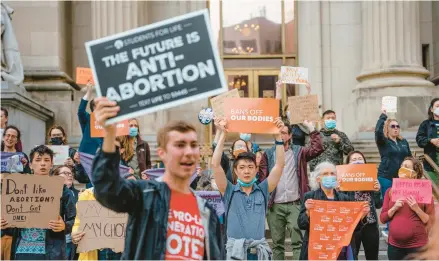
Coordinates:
<point>118,44</point>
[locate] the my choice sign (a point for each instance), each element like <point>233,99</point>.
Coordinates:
<point>158,66</point>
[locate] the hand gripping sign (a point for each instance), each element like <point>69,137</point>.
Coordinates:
<point>332,224</point>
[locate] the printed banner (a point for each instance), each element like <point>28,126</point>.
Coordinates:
<point>60,154</point>
<point>218,102</point>
<point>11,162</point>
<point>103,227</point>
<point>157,173</point>
<point>293,75</point>
<point>390,104</point>
<point>420,189</point>
<point>332,224</point>
<point>214,199</point>
<point>30,201</point>
<point>303,108</point>
<point>158,66</point>
<point>98,131</point>
<point>84,76</point>
<point>251,115</point>
<point>87,161</point>
<point>357,177</point>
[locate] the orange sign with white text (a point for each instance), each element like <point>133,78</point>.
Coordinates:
<point>251,115</point>
<point>84,76</point>
<point>332,224</point>
<point>357,177</point>
<point>98,131</point>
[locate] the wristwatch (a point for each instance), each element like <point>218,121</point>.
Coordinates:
<point>278,142</point>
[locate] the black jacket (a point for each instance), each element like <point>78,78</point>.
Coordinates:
<point>55,241</point>
<point>392,153</point>
<point>375,203</point>
<point>304,223</point>
<point>426,132</point>
<point>147,203</point>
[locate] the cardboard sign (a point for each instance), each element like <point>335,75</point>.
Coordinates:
<point>31,201</point>
<point>214,199</point>
<point>251,115</point>
<point>87,161</point>
<point>84,76</point>
<point>11,162</point>
<point>332,224</point>
<point>390,103</point>
<point>218,102</point>
<point>158,66</point>
<point>98,131</point>
<point>293,75</point>
<point>420,189</point>
<point>103,227</point>
<point>303,108</point>
<point>60,154</point>
<point>357,177</point>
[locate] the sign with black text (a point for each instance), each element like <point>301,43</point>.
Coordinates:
<point>158,66</point>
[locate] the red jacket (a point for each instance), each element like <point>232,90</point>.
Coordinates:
<point>302,156</point>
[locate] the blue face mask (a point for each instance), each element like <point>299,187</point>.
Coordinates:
<point>329,182</point>
<point>245,136</point>
<point>243,184</point>
<point>133,132</point>
<point>330,124</point>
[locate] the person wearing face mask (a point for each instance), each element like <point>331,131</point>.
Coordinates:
<point>409,221</point>
<point>335,142</point>
<point>284,203</point>
<point>135,151</point>
<point>428,137</point>
<point>323,183</point>
<point>393,149</point>
<point>57,136</point>
<point>369,235</point>
<point>247,138</point>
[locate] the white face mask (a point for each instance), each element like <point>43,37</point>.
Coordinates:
<point>288,115</point>
<point>213,184</point>
<point>436,111</point>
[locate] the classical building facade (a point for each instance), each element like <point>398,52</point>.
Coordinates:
<point>356,53</point>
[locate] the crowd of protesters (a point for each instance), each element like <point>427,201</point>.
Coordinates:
<point>278,185</point>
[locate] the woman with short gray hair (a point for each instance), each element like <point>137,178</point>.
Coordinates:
<point>323,181</point>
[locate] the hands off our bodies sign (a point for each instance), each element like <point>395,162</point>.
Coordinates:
<point>157,66</point>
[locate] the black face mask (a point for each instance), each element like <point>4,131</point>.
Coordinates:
<point>56,141</point>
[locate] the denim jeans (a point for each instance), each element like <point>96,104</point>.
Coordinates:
<point>385,184</point>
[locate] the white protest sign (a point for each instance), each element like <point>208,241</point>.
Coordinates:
<point>293,75</point>
<point>60,154</point>
<point>390,103</point>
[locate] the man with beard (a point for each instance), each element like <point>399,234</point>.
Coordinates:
<point>284,204</point>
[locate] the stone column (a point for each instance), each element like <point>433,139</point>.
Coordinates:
<point>392,65</point>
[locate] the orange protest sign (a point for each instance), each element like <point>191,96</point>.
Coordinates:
<point>357,177</point>
<point>97,131</point>
<point>332,224</point>
<point>84,75</point>
<point>251,115</point>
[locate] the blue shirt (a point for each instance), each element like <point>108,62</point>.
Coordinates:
<point>33,241</point>
<point>88,144</point>
<point>246,216</point>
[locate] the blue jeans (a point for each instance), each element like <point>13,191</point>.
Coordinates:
<point>385,184</point>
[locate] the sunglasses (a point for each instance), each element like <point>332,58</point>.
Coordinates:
<point>393,126</point>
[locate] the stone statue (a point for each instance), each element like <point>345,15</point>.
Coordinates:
<point>12,68</point>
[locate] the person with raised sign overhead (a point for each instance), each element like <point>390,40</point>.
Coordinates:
<point>409,221</point>
<point>369,235</point>
<point>88,144</point>
<point>335,142</point>
<point>39,243</point>
<point>393,148</point>
<point>284,203</point>
<point>323,183</point>
<point>428,137</point>
<point>245,223</point>
<point>158,209</point>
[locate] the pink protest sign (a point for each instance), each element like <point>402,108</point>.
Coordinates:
<point>420,189</point>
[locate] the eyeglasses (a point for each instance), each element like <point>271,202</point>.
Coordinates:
<point>66,173</point>
<point>10,136</point>
<point>393,126</point>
